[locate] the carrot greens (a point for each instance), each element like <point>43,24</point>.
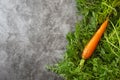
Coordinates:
<point>105,62</point>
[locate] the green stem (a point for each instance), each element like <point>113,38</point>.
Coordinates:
<point>82,63</point>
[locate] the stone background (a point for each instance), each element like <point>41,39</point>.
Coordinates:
<point>32,35</point>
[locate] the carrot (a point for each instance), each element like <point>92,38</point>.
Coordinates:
<point>92,44</point>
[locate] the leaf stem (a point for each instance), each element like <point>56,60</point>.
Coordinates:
<point>82,63</point>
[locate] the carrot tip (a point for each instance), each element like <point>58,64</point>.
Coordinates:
<point>107,18</point>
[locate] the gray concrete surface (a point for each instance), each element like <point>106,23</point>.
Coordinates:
<point>32,35</point>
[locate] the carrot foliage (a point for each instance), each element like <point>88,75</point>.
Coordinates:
<point>105,62</point>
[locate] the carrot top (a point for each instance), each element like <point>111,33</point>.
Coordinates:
<point>105,62</point>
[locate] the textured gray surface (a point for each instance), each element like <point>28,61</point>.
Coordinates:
<point>32,35</point>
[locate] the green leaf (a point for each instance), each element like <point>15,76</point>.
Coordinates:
<point>105,62</point>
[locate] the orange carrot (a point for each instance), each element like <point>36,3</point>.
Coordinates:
<point>92,44</point>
